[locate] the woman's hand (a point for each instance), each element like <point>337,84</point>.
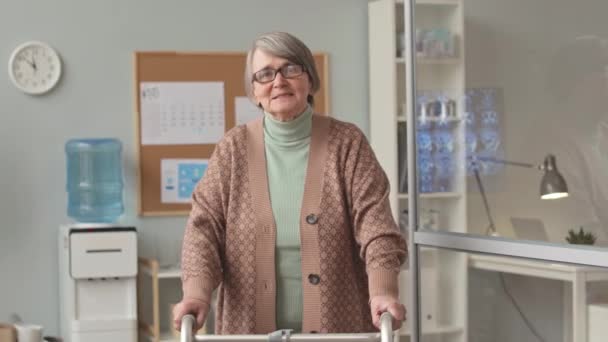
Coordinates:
<point>195,307</point>
<point>381,304</point>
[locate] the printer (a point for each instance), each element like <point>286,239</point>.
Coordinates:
<point>98,283</point>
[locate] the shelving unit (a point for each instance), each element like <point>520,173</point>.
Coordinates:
<point>401,60</point>
<point>149,287</point>
<point>149,278</point>
<point>443,273</point>
<point>402,118</point>
<point>433,195</point>
<point>438,331</point>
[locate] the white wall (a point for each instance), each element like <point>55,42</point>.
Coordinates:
<point>95,98</point>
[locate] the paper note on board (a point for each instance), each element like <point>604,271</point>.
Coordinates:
<point>179,177</point>
<point>176,113</point>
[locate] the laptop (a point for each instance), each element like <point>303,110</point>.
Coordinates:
<point>529,229</point>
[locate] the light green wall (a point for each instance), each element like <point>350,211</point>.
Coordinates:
<point>95,98</point>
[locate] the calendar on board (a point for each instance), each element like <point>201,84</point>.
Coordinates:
<point>174,113</point>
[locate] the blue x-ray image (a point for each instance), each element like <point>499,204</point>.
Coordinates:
<point>189,175</point>
<point>484,138</point>
<point>438,137</point>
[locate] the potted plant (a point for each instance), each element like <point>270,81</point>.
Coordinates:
<point>580,238</point>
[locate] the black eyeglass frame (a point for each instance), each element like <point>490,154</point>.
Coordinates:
<point>282,70</point>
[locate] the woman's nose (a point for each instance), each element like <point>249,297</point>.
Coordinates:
<point>279,80</point>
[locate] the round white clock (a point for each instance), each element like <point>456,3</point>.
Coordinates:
<point>34,67</point>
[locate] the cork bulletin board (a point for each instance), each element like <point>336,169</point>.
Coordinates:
<point>189,68</point>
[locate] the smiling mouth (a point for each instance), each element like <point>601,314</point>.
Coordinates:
<point>281,95</point>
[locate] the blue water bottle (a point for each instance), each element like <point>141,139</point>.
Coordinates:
<point>94,179</point>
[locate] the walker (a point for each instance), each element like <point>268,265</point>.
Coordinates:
<point>385,335</point>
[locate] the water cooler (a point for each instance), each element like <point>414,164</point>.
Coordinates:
<point>98,282</point>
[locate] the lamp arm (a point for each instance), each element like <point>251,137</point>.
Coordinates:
<point>552,186</point>
<point>485,200</point>
<point>508,162</point>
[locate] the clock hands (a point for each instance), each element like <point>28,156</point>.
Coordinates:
<point>32,64</point>
<point>31,60</point>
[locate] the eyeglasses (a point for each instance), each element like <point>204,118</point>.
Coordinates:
<point>287,71</point>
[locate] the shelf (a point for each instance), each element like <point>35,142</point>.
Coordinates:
<point>169,273</point>
<point>439,60</point>
<point>436,330</point>
<point>433,195</point>
<point>432,61</point>
<point>433,2</point>
<point>163,273</point>
<point>403,118</point>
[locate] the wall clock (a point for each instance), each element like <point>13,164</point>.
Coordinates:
<point>34,67</point>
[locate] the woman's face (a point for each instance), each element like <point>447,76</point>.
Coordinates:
<point>283,98</point>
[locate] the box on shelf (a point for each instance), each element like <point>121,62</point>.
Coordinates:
<point>7,333</point>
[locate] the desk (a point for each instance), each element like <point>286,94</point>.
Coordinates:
<point>577,275</point>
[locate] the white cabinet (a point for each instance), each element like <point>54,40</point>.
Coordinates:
<point>440,78</point>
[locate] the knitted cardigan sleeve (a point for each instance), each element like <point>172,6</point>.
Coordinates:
<point>382,245</point>
<point>204,236</point>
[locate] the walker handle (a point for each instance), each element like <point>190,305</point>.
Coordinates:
<point>186,331</point>
<point>386,327</point>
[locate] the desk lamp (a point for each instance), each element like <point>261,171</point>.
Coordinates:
<point>552,185</point>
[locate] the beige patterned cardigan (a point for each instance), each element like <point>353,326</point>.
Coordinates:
<point>351,247</point>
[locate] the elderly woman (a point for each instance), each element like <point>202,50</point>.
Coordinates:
<point>292,219</point>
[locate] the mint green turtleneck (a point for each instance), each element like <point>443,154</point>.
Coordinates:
<point>287,145</point>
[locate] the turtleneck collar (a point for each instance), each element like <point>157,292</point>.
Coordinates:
<point>288,133</point>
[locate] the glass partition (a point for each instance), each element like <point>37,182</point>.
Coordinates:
<point>498,112</point>
<point>509,117</point>
<point>510,138</point>
<point>548,85</point>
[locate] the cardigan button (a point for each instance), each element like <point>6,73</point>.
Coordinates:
<point>314,279</point>
<point>312,219</point>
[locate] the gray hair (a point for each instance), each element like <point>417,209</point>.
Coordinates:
<point>283,45</point>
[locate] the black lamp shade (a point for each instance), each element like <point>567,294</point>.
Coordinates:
<point>552,185</point>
